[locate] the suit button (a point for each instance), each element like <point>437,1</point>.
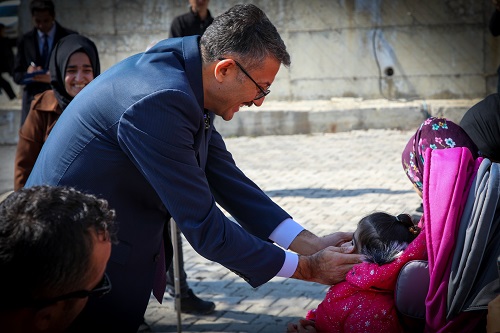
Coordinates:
<point>156,258</point>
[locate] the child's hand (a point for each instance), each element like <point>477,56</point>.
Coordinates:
<point>303,326</point>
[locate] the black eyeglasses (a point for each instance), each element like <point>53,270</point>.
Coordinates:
<point>102,288</point>
<point>263,93</point>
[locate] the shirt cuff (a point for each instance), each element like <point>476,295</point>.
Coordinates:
<point>290,265</point>
<point>285,233</point>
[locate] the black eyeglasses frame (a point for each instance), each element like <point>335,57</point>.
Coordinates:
<point>101,289</point>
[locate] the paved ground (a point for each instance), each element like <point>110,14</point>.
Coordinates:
<point>326,181</point>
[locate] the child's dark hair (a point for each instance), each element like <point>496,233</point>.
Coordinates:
<point>381,237</point>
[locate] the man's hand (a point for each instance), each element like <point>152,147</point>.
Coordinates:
<point>44,78</point>
<point>336,239</point>
<point>303,326</point>
<point>307,243</point>
<point>328,266</point>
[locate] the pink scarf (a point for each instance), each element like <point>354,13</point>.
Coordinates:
<point>448,174</point>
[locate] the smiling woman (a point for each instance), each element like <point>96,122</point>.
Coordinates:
<point>74,63</point>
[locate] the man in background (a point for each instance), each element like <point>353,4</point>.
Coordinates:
<point>195,22</point>
<point>33,52</point>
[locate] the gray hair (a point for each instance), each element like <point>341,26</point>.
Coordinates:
<point>244,31</point>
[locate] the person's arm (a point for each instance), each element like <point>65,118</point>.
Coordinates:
<point>495,19</point>
<point>30,142</point>
<point>239,195</point>
<point>258,214</point>
<point>20,65</point>
<point>160,143</point>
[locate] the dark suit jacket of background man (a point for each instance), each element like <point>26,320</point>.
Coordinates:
<point>136,136</point>
<point>28,51</point>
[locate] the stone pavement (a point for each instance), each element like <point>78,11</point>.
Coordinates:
<point>327,182</point>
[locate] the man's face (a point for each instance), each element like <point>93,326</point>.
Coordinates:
<point>198,4</point>
<point>66,313</point>
<point>43,20</point>
<point>235,89</point>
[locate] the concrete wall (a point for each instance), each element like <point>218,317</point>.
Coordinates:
<point>394,49</point>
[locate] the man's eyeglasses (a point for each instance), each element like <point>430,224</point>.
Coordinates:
<point>263,93</point>
<point>102,288</point>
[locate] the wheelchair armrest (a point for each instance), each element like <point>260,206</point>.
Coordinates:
<point>411,289</point>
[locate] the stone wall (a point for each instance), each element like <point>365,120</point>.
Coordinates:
<point>394,49</point>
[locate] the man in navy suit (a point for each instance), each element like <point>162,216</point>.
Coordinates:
<point>32,54</point>
<point>141,135</point>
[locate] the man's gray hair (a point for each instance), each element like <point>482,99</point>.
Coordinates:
<point>245,32</point>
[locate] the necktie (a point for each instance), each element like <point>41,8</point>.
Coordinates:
<point>45,51</point>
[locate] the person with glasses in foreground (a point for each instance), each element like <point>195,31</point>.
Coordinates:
<point>141,135</point>
<point>54,246</point>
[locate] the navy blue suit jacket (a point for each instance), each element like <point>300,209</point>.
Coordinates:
<point>136,136</point>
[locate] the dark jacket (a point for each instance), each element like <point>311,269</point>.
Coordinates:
<point>189,24</point>
<point>6,56</point>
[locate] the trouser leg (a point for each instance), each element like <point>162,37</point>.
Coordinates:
<point>5,85</point>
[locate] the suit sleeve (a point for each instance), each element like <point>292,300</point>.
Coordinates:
<point>245,201</point>
<point>160,138</point>
<point>495,23</point>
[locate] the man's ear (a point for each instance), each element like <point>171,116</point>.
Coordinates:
<point>221,69</point>
<point>44,318</point>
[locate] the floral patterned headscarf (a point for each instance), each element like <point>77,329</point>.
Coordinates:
<point>434,133</point>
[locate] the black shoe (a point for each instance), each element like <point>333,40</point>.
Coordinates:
<point>144,328</point>
<point>195,305</point>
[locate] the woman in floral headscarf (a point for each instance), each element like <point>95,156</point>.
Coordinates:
<point>442,162</point>
<point>460,193</point>
<point>434,133</point>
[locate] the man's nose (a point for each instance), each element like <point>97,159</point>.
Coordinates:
<point>259,101</point>
<point>79,76</point>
